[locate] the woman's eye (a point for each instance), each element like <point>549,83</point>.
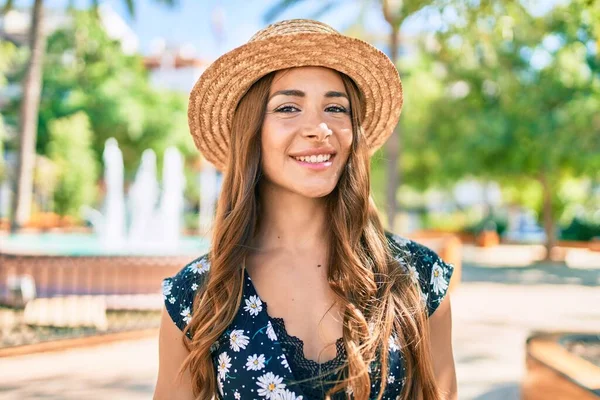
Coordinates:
<point>337,109</point>
<point>286,109</point>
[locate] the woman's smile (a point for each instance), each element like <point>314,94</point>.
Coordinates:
<point>315,159</point>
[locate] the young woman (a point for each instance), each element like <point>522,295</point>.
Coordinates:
<point>354,311</point>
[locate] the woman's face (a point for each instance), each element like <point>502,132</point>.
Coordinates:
<point>307,131</point>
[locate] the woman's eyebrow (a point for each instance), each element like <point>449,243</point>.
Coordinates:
<point>300,93</point>
<point>288,92</point>
<point>336,94</point>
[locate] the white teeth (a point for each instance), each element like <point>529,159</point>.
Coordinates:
<point>314,158</point>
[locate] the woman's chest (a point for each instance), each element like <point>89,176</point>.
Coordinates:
<point>251,363</point>
<point>307,305</point>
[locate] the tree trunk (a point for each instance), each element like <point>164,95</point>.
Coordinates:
<point>392,148</point>
<point>32,86</point>
<point>548,217</point>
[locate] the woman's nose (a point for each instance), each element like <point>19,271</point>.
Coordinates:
<point>319,131</point>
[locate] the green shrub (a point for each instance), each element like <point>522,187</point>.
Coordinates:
<point>489,223</point>
<point>580,229</point>
<point>70,148</point>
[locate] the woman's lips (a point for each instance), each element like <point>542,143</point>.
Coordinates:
<point>317,166</point>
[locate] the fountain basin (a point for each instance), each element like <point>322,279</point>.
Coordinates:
<point>76,264</point>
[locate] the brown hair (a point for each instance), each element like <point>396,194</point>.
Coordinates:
<point>377,295</point>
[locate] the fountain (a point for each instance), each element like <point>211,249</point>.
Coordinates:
<point>142,201</point>
<point>146,221</point>
<point>112,234</point>
<point>171,206</point>
<point>80,280</point>
<point>209,186</point>
<point>152,224</point>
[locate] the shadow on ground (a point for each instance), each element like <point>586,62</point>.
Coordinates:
<point>505,391</point>
<point>531,275</point>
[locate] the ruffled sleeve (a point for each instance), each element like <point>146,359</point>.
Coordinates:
<point>425,267</point>
<point>180,290</point>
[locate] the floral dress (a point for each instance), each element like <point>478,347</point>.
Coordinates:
<point>255,358</point>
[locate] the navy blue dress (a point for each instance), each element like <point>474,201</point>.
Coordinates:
<point>256,358</point>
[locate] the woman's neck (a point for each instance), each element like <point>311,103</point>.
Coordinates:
<point>290,222</point>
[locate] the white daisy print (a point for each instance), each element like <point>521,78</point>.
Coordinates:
<point>237,395</point>
<point>271,332</point>
<point>271,386</point>
<point>214,346</point>
<point>194,286</point>
<point>220,385</point>
<point>288,395</point>
<point>255,363</point>
<point>437,279</point>
<point>167,286</point>
<point>224,365</point>
<point>414,274</point>
<point>393,343</point>
<point>284,362</point>
<point>237,340</point>
<point>172,300</point>
<point>199,267</point>
<point>400,240</point>
<point>253,305</point>
<point>186,314</point>
<point>391,378</point>
<point>424,298</point>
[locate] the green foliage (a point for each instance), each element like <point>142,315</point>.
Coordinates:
<point>447,222</point>
<point>509,96</point>
<point>87,71</point>
<point>492,222</point>
<point>502,111</point>
<point>70,150</point>
<point>581,229</point>
<point>7,53</point>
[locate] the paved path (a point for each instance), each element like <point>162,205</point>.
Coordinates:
<point>494,311</point>
<point>125,370</point>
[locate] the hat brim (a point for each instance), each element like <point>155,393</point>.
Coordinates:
<point>221,86</point>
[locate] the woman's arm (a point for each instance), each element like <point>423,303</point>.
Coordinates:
<point>171,354</point>
<point>440,326</point>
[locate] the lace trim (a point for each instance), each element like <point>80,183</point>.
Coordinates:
<point>316,378</point>
<point>298,346</point>
<point>302,367</point>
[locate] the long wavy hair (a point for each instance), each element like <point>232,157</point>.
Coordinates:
<point>377,296</point>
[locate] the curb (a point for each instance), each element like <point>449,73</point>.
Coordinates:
<point>72,343</point>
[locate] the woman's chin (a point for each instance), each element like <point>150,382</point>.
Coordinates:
<point>315,192</point>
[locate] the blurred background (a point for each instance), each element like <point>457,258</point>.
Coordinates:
<point>495,164</point>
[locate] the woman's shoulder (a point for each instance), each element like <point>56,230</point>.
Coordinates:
<point>425,267</point>
<point>180,289</point>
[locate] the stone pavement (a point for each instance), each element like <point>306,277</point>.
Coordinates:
<point>494,310</point>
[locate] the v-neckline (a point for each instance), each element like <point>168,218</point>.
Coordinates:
<point>271,319</point>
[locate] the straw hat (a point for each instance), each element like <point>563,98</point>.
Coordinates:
<point>286,44</point>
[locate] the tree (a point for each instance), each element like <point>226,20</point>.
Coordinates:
<point>517,102</point>
<point>32,86</point>
<point>88,71</point>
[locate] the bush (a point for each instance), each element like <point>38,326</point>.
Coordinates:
<point>489,223</point>
<point>70,148</point>
<point>580,229</point>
